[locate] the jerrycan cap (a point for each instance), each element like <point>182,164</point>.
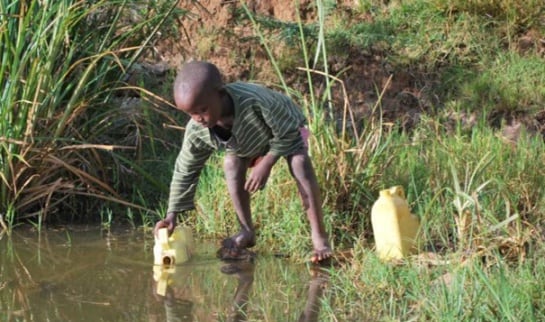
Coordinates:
<point>393,191</point>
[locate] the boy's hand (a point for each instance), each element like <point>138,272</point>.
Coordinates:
<point>260,174</point>
<point>169,222</point>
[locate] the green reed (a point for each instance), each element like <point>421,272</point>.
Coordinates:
<point>60,62</point>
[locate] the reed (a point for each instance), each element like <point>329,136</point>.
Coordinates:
<point>62,62</point>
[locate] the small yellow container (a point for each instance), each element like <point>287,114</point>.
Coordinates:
<point>394,227</point>
<point>173,250</point>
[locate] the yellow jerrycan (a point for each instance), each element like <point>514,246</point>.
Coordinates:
<point>394,227</point>
<point>174,249</point>
<point>162,275</point>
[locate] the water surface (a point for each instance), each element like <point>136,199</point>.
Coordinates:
<point>89,274</point>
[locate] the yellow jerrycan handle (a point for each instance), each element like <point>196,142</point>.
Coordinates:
<point>398,190</point>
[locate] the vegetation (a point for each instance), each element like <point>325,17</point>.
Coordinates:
<point>471,161</point>
<point>472,165</point>
<point>65,127</point>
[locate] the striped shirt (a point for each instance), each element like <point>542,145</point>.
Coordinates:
<point>265,121</point>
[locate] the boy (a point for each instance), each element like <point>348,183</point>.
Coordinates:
<point>256,126</point>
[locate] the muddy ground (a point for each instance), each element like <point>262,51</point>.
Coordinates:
<point>215,31</point>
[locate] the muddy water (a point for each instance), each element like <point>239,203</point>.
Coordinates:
<point>88,274</point>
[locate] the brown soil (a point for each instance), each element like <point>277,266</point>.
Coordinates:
<point>213,32</point>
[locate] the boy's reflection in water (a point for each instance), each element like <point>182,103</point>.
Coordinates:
<point>244,272</point>
<point>180,310</point>
<point>318,282</point>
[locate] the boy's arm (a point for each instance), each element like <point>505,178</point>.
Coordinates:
<point>185,177</point>
<point>169,223</point>
<point>259,175</point>
<point>189,164</point>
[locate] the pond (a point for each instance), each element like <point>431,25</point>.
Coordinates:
<point>91,274</point>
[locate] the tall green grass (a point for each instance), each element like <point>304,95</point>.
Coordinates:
<point>63,63</point>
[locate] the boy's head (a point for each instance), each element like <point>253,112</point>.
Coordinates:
<point>198,90</point>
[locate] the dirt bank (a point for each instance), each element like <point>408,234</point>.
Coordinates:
<point>219,31</point>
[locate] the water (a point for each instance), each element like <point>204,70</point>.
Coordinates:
<point>88,274</point>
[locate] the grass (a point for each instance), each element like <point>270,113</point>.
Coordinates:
<point>59,135</point>
<point>420,291</point>
<point>478,192</point>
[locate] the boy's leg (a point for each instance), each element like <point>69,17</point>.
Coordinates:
<point>301,169</point>
<point>235,173</point>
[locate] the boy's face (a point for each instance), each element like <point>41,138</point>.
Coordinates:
<point>204,107</point>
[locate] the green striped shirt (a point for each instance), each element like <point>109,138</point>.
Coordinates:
<point>265,122</point>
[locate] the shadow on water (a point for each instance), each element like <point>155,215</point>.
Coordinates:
<point>78,274</point>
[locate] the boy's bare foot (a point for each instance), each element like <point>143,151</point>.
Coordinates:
<point>322,255</point>
<point>322,251</point>
<point>242,240</point>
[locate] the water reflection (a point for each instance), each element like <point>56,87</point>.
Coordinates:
<point>176,308</point>
<point>179,309</point>
<point>318,283</point>
<point>244,273</point>
<point>91,275</point>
